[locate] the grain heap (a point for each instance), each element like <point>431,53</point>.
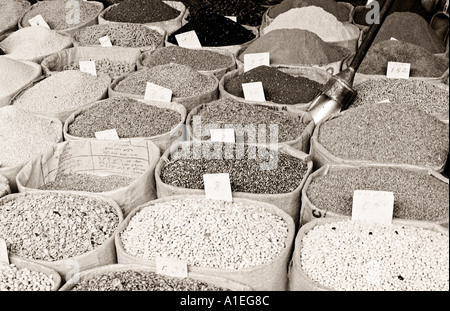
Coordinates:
<point>23,74</point>
<point>12,10</point>
<point>141,12</point>
<point>341,12</point>
<point>15,279</point>
<point>112,68</point>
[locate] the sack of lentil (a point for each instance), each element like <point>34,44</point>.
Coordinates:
<point>390,257</point>
<point>204,60</point>
<point>294,86</point>
<point>245,241</point>
<point>189,87</point>
<point>121,170</point>
<point>12,10</point>
<point>4,186</point>
<point>293,128</point>
<point>66,16</point>
<point>114,61</point>
<point>134,277</point>
<point>63,230</point>
<point>165,14</point>
<point>420,194</point>
<point>262,173</point>
<point>15,76</point>
<point>388,133</point>
<point>24,136</point>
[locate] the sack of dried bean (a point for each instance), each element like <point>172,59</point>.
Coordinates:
<point>135,277</point>
<point>4,186</point>
<point>262,173</point>
<point>420,194</point>
<point>66,16</point>
<point>114,61</point>
<point>245,241</point>
<point>293,128</point>
<point>389,257</point>
<point>121,170</point>
<point>165,14</point>
<point>63,230</point>
<point>204,60</point>
<point>12,10</point>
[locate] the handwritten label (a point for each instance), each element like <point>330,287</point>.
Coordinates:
<point>171,267</point>
<point>88,67</point>
<point>188,40</point>
<point>253,60</point>
<point>38,20</point>
<point>233,18</point>
<point>4,258</point>
<point>105,41</point>
<point>157,93</point>
<point>254,91</point>
<point>223,135</point>
<point>397,70</point>
<point>218,187</point>
<point>107,135</point>
<point>374,206</point>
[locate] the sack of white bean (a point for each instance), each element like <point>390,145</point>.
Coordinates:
<point>136,277</point>
<point>121,170</point>
<point>246,241</point>
<point>348,255</point>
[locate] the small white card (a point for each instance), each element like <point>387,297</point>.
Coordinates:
<point>105,41</point>
<point>392,38</point>
<point>223,135</point>
<point>88,67</point>
<point>38,20</point>
<point>253,60</point>
<point>233,18</point>
<point>188,40</point>
<point>107,135</point>
<point>254,91</point>
<point>374,206</point>
<point>157,93</point>
<point>397,70</point>
<point>171,267</point>
<point>218,187</point>
<point>4,257</point>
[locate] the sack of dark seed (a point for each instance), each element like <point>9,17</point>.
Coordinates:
<point>419,194</point>
<point>120,170</point>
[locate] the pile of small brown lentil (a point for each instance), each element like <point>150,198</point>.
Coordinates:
<point>418,196</point>
<point>131,118</point>
<point>112,68</point>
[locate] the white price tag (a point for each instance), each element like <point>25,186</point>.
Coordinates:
<point>392,38</point>
<point>254,91</point>
<point>397,70</point>
<point>218,187</point>
<point>374,206</point>
<point>254,60</point>
<point>157,93</point>
<point>88,67</point>
<point>107,135</point>
<point>4,257</point>
<point>105,41</point>
<point>384,101</point>
<point>171,267</point>
<point>38,20</point>
<point>188,40</point>
<point>223,135</point>
<point>233,18</point>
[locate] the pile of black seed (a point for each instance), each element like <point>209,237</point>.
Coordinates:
<point>141,12</point>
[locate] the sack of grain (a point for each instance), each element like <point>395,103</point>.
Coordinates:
<point>12,10</point>
<point>269,273</point>
<point>130,163</point>
<point>4,186</point>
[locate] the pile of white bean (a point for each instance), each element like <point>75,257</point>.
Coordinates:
<point>206,233</point>
<point>362,256</point>
<point>15,279</point>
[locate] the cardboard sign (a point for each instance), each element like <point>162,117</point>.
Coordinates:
<point>105,41</point>
<point>38,20</point>
<point>223,135</point>
<point>107,135</point>
<point>188,40</point>
<point>218,187</point>
<point>88,67</point>
<point>373,206</point>
<point>397,70</point>
<point>254,91</point>
<point>157,93</point>
<point>171,267</point>
<point>253,60</point>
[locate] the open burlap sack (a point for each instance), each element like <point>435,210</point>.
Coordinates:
<point>4,186</point>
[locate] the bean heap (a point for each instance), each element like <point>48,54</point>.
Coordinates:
<point>387,132</point>
<point>130,280</point>
<point>54,226</point>
<point>55,14</point>
<point>112,68</point>
<point>227,111</point>
<point>202,60</point>
<point>425,96</point>
<point>417,195</point>
<point>15,279</point>
<point>86,182</point>
<point>206,233</point>
<point>246,173</point>
<point>182,80</point>
<point>361,256</point>
<point>141,11</point>
<point>64,91</point>
<point>130,117</point>
<point>338,10</point>
<point>123,34</point>
<point>279,87</point>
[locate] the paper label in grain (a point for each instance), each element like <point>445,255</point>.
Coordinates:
<point>373,206</point>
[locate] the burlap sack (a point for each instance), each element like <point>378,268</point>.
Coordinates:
<point>213,280</point>
<point>4,186</point>
<point>271,276</point>
<point>9,23</point>
<point>130,158</point>
<point>300,281</point>
<point>309,211</point>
